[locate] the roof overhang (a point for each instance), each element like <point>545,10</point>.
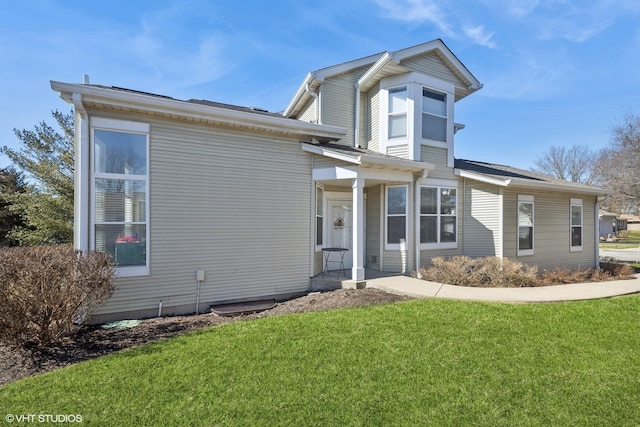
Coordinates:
<point>110,98</point>
<point>533,184</point>
<point>365,159</point>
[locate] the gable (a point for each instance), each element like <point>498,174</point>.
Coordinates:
<point>433,65</point>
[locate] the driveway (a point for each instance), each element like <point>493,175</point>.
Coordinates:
<point>628,255</point>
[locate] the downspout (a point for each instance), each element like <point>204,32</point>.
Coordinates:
<point>356,125</point>
<point>316,98</point>
<point>81,175</point>
<point>596,219</point>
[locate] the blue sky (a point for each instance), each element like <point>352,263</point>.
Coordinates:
<point>555,72</point>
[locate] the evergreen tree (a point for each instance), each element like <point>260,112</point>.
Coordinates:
<point>46,205</point>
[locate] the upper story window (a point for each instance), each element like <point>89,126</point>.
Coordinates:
<point>434,115</point>
<point>398,112</point>
<point>120,193</point>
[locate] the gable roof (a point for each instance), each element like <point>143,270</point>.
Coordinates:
<point>383,65</point>
<point>507,176</point>
<point>193,110</point>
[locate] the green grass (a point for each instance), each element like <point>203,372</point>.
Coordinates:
<point>631,240</point>
<point>422,362</point>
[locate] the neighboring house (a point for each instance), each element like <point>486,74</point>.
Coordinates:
<point>608,224</point>
<point>203,203</point>
<point>632,221</point>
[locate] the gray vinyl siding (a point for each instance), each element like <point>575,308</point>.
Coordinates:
<point>438,157</point>
<point>373,221</point>
<point>551,230</point>
<point>235,204</point>
<point>401,151</point>
<point>338,102</point>
<point>482,235</point>
<point>431,65</point>
<point>373,128</point>
<point>308,113</point>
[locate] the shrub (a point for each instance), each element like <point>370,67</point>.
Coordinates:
<point>480,272</point>
<point>48,292</point>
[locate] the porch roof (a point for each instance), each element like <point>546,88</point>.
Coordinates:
<point>507,176</point>
<point>365,157</point>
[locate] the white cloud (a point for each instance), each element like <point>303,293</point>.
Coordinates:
<point>478,35</point>
<point>417,11</point>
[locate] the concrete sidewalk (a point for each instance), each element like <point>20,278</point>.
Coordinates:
<point>404,285</point>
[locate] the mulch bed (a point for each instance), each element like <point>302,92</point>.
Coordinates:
<point>95,341</point>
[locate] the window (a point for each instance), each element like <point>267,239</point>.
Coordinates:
<point>434,115</point>
<point>398,112</point>
<point>120,192</point>
<point>319,215</point>
<point>576,224</point>
<point>396,216</point>
<point>525,225</point>
<point>438,216</point>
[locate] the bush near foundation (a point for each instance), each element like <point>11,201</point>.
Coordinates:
<point>480,272</point>
<point>493,272</point>
<point>48,292</point>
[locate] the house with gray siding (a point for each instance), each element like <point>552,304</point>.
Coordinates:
<point>202,203</point>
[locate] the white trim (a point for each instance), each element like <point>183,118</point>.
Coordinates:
<point>576,202</point>
<point>482,178</point>
<point>318,247</point>
<point>123,126</point>
<point>526,199</point>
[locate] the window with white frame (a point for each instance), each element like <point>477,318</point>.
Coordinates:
<point>120,192</point>
<point>576,224</point>
<point>438,217</point>
<point>525,225</point>
<point>396,216</point>
<point>397,124</point>
<point>434,115</point>
<point>319,215</point>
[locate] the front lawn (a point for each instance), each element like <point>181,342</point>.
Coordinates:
<point>422,362</point>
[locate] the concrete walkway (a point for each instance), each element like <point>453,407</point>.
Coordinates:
<point>404,285</point>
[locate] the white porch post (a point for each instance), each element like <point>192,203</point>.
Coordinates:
<point>357,271</point>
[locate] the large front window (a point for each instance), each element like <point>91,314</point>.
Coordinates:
<point>120,192</point>
<point>438,216</point>
<point>396,216</point>
<point>525,225</point>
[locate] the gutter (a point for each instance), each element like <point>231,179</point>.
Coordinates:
<point>316,98</point>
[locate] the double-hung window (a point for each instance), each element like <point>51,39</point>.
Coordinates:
<point>438,217</point>
<point>576,224</point>
<point>397,125</point>
<point>396,217</point>
<point>525,225</point>
<point>434,115</point>
<point>120,193</point>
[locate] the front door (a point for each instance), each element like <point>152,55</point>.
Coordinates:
<point>340,233</point>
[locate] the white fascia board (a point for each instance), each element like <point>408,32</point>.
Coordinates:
<point>185,109</point>
<point>375,69</point>
<point>543,185</point>
<point>397,163</point>
<point>482,178</point>
<point>330,153</point>
<point>299,93</point>
<point>346,66</point>
<point>334,172</point>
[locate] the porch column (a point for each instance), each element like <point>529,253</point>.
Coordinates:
<point>357,271</point>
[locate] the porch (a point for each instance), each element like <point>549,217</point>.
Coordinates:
<point>342,280</point>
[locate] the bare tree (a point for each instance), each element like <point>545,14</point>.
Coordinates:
<point>619,165</point>
<point>575,164</point>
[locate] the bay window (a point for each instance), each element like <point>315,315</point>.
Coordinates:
<point>398,112</point>
<point>434,115</point>
<point>120,193</point>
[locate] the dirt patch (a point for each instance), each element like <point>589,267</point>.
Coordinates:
<point>95,341</point>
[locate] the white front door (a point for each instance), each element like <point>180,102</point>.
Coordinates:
<point>339,228</point>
